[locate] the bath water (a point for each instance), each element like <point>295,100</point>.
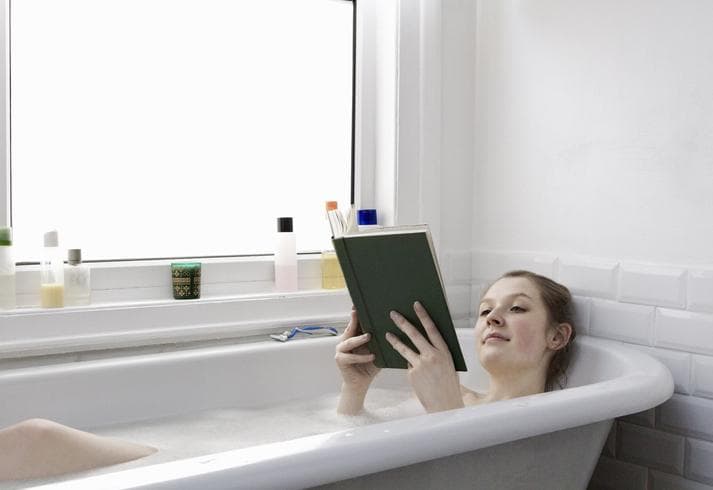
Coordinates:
<point>225,429</point>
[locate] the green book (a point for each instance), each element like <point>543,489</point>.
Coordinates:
<point>389,269</point>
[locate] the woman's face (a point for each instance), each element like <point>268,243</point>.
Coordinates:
<point>512,328</point>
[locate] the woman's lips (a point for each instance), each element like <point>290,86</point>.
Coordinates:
<point>496,338</point>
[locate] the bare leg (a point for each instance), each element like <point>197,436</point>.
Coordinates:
<point>40,448</point>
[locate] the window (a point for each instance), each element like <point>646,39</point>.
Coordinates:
<point>173,128</point>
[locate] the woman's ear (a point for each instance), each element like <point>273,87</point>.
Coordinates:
<point>558,337</point>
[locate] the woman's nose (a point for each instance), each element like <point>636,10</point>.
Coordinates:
<point>494,319</point>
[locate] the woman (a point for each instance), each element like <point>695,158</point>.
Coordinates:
<point>39,448</point>
<point>523,334</point>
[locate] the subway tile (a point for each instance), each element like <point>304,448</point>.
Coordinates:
<point>687,415</point>
<point>589,277</point>
<point>458,300</point>
<point>700,290</point>
<point>699,461</point>
<point>647,418</point>
<point>612,474</point>
<point>488,265</point>
<point>679,363</point>
<point>582,307</point>
<point>664,481</point>
<point>684,330</point>
<point>650,447</point>
<point>458,267</point>
<point>619,321</point>
<point>652,285</point>
<point>702,376</point>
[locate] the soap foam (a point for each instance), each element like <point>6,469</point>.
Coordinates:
<point>216,430</point>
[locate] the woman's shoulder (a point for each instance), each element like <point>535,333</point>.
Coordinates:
<point>471,397</point>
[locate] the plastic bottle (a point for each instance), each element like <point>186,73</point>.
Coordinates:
<point>77,280</point>
<point>51,273</point>
<point>285,256</point>
<point>366,219</point>
<point>7,271</point>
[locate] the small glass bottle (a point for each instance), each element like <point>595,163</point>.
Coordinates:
<point>77,284</point>
<point>285,257</point>
<point>366,219</point>
<point>51,273</point>
<point>7,271</point>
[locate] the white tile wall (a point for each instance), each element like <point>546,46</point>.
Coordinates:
<point>614,474</point>
<point>663,481</point>
<point>698,462</point>
<point>651,448</point>
<point>488,265</point>
<point>589,277</point>
<point>702,376</point>
<point>629,323</point>
<point>582,309</point>
<point>684,330</point>
<point>647,418</point>
<point>653,285</point>
<point>700,290</point>
<point>687,415</point>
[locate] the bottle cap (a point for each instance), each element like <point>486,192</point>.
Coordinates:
<point>284,225</point>
<point>51,239</point>
<point>5,237</point>
<point>74,256</point>
<point>366,217</point>
<point>331,205</point>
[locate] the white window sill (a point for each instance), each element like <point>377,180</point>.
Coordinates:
<point>133,306</point>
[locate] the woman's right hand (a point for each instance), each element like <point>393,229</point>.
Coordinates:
<point>355,361</point>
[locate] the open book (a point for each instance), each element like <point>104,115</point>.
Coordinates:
<point>389,269</point>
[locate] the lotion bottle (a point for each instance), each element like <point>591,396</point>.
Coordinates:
<point>77,291</point>
<point>285,256</point>
<point>7,271</point>
<point>51,273</point>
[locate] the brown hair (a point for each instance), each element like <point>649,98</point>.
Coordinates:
<point>558,302</point>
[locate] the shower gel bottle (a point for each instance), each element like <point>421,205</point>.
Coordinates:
<point>285,257</point>
<point>7,271</point>
<point>51,273</point>
<point>77,285</point>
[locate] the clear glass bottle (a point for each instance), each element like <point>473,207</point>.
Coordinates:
<point>51,273</point>
<point>7,271</point>
<point>77,280</point>
<point>285,257</point>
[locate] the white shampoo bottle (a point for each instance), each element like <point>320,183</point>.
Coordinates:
<point>285,257</point>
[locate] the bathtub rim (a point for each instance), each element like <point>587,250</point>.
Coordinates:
<point>645,384</point>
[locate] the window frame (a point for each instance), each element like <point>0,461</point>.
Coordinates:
<point>396,150</point>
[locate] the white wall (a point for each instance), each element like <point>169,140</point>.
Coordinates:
<point>595,128</point>
<point>594,165</point>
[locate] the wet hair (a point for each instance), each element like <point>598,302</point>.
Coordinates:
<point>558,303</point>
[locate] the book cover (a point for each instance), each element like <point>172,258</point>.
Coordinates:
<point>390,269</point>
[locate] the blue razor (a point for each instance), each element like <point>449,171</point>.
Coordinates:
<point>311,330</point>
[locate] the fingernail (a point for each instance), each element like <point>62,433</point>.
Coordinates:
<point>393,315</point>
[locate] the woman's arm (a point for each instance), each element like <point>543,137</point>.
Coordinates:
<point>431,371</point>
<point>39,448</point>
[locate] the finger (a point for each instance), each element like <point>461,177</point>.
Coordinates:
<point>352,343</point>
<point>412,332</point>
<point>346,358</point>
<point>352,326</point>
<point>401,348</point>
<point>431,329</point>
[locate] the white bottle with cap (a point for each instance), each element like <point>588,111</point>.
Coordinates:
<point>7,271</point>
<point>77,285</point>
<point>285,257</point>
<point>52,273</point>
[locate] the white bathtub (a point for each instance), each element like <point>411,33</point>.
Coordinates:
<point>550,440</point>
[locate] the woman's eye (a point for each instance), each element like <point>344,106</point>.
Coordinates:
<point>484,312</point>
<point>517,309</point>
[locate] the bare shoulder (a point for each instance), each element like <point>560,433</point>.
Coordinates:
<point>471,397</point>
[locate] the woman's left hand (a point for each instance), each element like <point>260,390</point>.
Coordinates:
<point>431,371</point>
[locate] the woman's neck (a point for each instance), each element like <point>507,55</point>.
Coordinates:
<point>513,385</point>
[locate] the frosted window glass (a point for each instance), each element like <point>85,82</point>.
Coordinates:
<point>173,128</point>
